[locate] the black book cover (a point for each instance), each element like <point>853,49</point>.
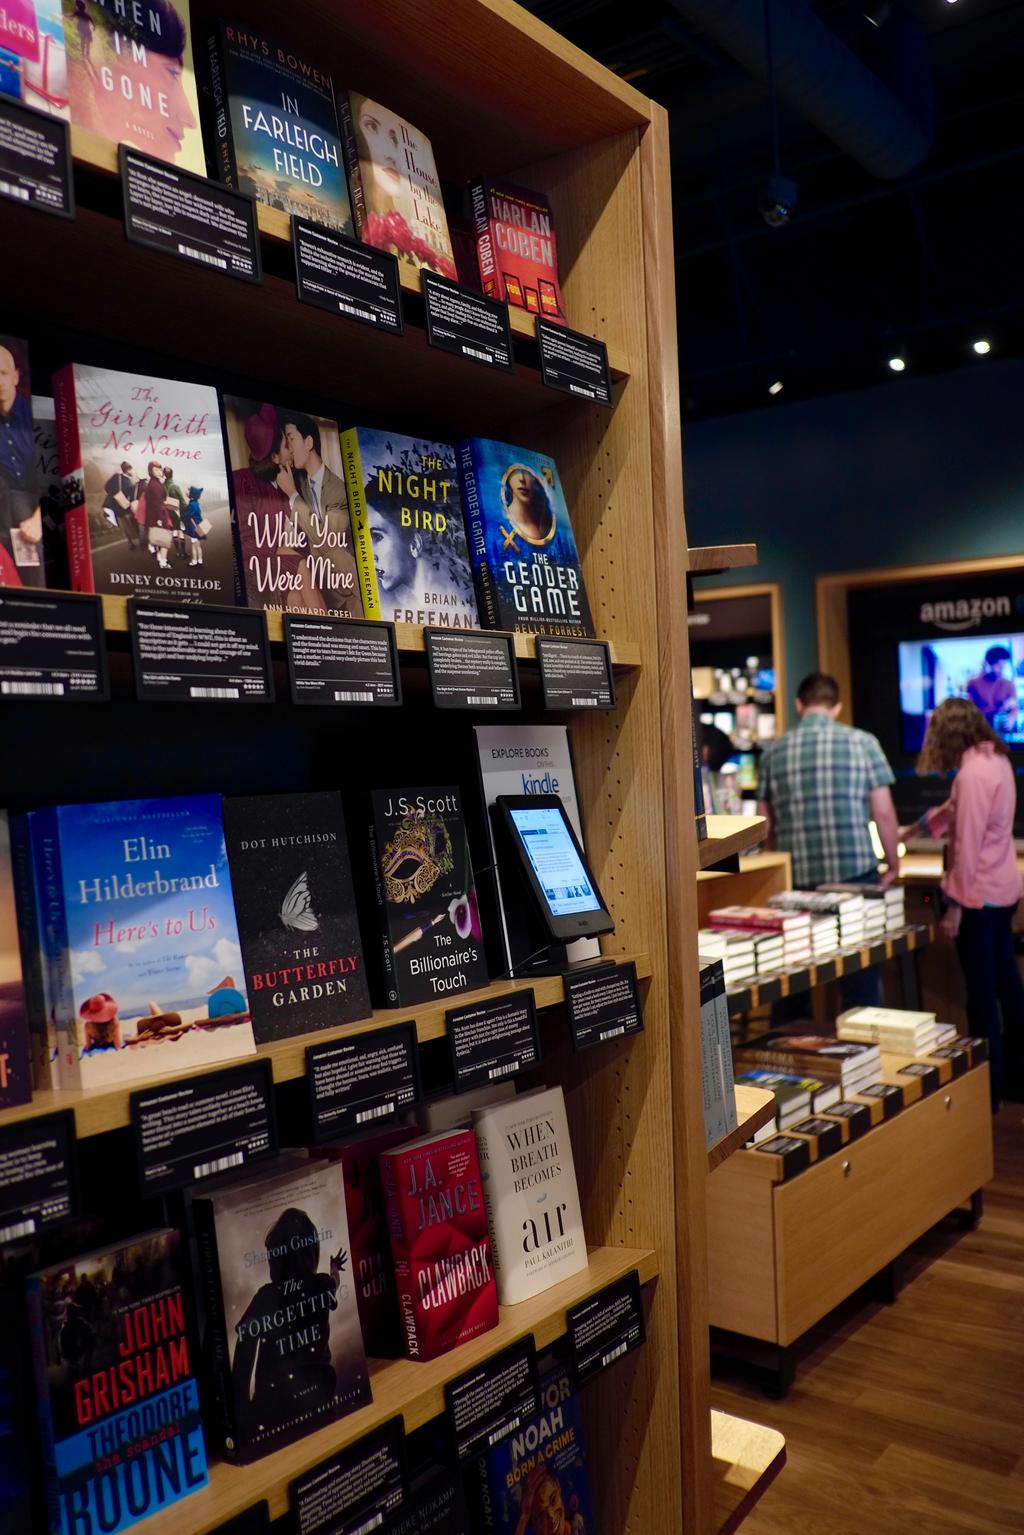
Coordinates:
<point>296,911</point>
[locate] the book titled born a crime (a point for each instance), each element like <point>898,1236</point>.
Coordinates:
<point>526,566</point>
<point>118,1403</point>
<point>515,247</point>
<point>296,912</point>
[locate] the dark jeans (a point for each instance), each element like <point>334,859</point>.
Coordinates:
<point>985,946</point>
<point>861,989</point>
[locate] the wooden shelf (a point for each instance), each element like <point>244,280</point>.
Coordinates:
<point>710,559</point>
<point>770,988</point>
<point>728,834</point>
<point>754,1108</point>
<point>745,1460</point>
<point>415,1390</point>
<point>100,1109</point>
<point>754,865</point>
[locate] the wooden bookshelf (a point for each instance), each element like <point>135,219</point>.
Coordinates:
<point>746,1459</point>
<point>729,834</point>
<point>713,559</point>
<point>754,1108</point>
<point>756,993</point>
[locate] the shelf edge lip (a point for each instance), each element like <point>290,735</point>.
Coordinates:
<point>747,831</point>
<point>767,1469</point>
<point>715,559</point>
<point>748,1124</point>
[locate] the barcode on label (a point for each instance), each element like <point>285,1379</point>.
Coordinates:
<point>213,692</point>
<point>503,1071</point>
<point>613,1033</point>
<point>9,190</point>
<point>505,1429</point>
<point>370,1524</point>
<point>584,703</point>
<point>343,696</point>
<point>361,314</point>
<point>380,1112</point>
<point>34,689</point>
<point>198,255</point>
<point>218,1165</point>
<point>19,1229</point>
<point>616,1353</point>
<point>472,351</point>
<point>579,389</point>
<point>481,700</point>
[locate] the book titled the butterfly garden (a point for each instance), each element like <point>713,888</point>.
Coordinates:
<point>296,912</point>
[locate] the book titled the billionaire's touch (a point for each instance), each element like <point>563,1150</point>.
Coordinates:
<point>135,453</point>
<point>525,563</point>
<point>15,1055</point>
<point>118,1403</point>
<point>281,1323</point>
<point>441,1247</point>
<point>410,539</point>
<point>515,247</point>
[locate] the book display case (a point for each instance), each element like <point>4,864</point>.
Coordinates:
<point>494,89</point>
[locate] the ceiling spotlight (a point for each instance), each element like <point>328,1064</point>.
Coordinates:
<point>897,364</point>
<point>776,388</point>
<point>983,348</point>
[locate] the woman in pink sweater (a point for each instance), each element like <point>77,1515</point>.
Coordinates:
<point>982,882</point>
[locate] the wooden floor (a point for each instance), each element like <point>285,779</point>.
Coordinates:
<point>910,1418</point>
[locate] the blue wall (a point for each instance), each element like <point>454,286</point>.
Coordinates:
<point>912,470</point>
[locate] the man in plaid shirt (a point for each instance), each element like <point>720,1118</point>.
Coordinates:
<point>820,786</point>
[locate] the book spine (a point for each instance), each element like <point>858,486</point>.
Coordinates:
<point>215,1351</point>
<point>350,150</point>
<point>389,978</point>
<point>700,817</point>
<point>56,955</point>
<point>44,1416</point>
<point>69,459</point>
<point>483,576</point>
<point>359,513</point>
<point>408,1315</point>
<point>489,1149</point>
<point>220,135</point>
<point>37,1000</point>
<point>490,277</point>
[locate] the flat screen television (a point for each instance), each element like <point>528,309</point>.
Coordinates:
<point>987,668</point>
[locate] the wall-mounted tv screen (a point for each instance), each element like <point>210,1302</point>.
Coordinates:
<point>988,669</point>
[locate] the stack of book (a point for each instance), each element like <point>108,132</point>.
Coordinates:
<point>851,1065</point>
<point>824,936</point>
<point>824,1092</point>
<point>769,952</point>
<point>734,947</point>
<point>794,927</point>
<point>890,900</point>
<point>896,1030</point>
<point>792,1098</point>
<point>716,1054</point>
<point>846,907</point>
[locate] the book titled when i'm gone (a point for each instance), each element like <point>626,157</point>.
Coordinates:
<point>281,1321</point>
<point>296,913</point>
<point>440,1243</point>
<point>118,1402</point>
<point>525,563</point>
<point>515,247</point>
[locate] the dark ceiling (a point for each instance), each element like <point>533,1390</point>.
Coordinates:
<point>921,266</point>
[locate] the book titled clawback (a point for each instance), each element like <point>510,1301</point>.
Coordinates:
<point>118,1403</point>
<point>515,247</point>
<point>437,1222</point>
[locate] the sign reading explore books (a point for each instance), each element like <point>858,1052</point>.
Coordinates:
<point>171,210</point>
<point>186,1132</point>
<point>346,277</point>
<point>38,1174</point>
<point>35,160</point>
<point>52,646</point>
<point>605,1327</point>
<point>574,363</point>
<point>604,1003</point>
<point>575,674</point>
<point>183,653</point>
<point>361,1081</point>
<point>472,670</point>
<point>354,1491</point>
<point>466,323</point>
<point>493,1040</point>
<point>342,660</point>
<point>490,1402</point>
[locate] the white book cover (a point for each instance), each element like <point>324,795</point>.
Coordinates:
<point>533,1204</point>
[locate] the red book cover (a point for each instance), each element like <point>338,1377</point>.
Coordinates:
<point>515,247</point>
<point>437,1222</point>
<point>759,918</point>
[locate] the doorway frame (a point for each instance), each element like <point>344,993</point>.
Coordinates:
<point>773,591</point>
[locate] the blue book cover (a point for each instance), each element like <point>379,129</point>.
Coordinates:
<point>525,562</point>
<point>142,940</point>
<point>534,1482</point>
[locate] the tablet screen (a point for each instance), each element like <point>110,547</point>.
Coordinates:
<point>559,869</point>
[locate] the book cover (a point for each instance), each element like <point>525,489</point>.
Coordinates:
<point>762,918</point>
<point>274,127</point>
<point>290,510</point>
<point>437,1222</point>
<point>410,539</point>
<point>21,521</point>
<point>141,938</point>
<point>135,451</point>
<point>130,77</point>
<point>51,497</point>
<point>115,1384</point>
<point>33,59</point>
<point>533,1204</point>
<point>15,1055</point>
<point>33,897</point>
<point>713,1083</point>
<point>515,247</point>
<point>525,562</point>
<point>282,1322</point>
<point>393,181</point>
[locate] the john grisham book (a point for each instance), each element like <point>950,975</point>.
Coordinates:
<point>118,1402</point>
<point>403,496</point>
<point>525,563</point>
<point>282,1336</point>
<point>274,129</point>
<point>296,912</point>
<point>140,939</point>
<point>292,530</point>
<point>146,485</point>
<point>429,924</point>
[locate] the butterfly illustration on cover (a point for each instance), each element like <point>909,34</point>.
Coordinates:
<point>296,908</point>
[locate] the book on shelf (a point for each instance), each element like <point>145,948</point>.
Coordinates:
<point>32,901</point>
<point>394,186</point>
<point>896,1029</point>
<point>795,925</point>
<point>410,538</point>
<point>133,450</point>
<point>716,1054</point>
<point>293,535</point>
<point>33,57</point>
<point>131,78</point>
<point>440,1243</point>
<point>820,1055</point>
<point>281,1336</point>
<point>140,938</point>
<point>533,1204</point>
<point>296,911</point>
<point>118,1401</point>
<point>700,799</point>
<point>15,1051</point>
<point>21,520</point>
<point>825,1089</point>
<point>454,1111</point>
<point>523,550</point>
<point>792,1099</point>
<point>516,248</point>
<point>429,938</point>
<point>51,499</point>
<point>273,127</point>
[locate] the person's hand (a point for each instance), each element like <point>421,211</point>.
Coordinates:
<point>888,878</point>
<point>286,481</point>
<point>31,529</point>
<point>904,833</point>
<point>950,923</point>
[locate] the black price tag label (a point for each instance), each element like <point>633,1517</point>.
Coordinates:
<point>186,1132</point>
<point>958,1059</point>
<point>824,970</point>
<point>877,953</point>
<point>472,670</point>
<point>52,646</point>
<point>576,674</point>
<point>35,160</point>
<point>346,277</point>
<point>493,1040</point>
<point>604,1004</point>
<point>362,1080</point>
<point>466,323</point>
<point>857,1115</point>
<point>342,661</point>
<point>212,655</point>
<point>171,210</point>
<point>852,960</point>
<point>573,363</point>
<point>253,1521</point>
<point>888,1093</point>
<point>491,1401</point>
<point>434,1505</point>
<point>38,1175</point>
<point>928,1075</point>
<point>605,1327</point>
<point>799,981</point>
<point>354,1491</point>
